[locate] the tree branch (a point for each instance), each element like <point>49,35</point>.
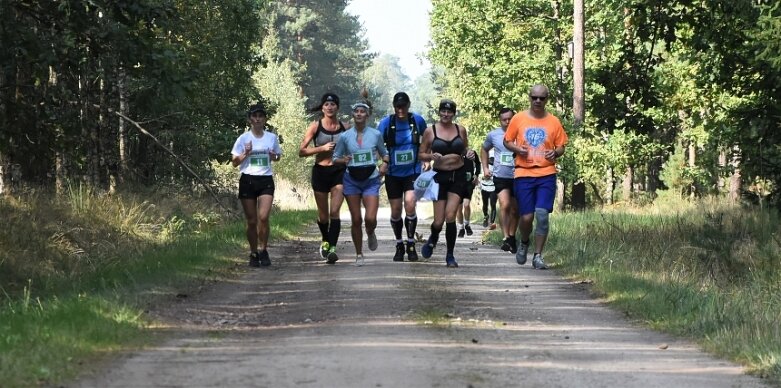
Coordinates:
<point>178,159</point>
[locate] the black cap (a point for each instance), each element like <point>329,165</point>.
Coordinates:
<point>447,105</point>
<point>400,99</point>
<point>329,97</point>
<point>257,108</point>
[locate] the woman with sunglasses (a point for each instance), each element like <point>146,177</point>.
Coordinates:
<point>445,143</point>
<point>538,139</point>
<point>360,148</point>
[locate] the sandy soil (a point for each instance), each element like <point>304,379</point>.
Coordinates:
<point>489,323</point>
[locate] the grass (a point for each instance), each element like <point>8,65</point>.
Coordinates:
<point>704,270</point>
<point>77,273</point>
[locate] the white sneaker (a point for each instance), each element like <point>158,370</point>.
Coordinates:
<point>372,241</point>
<point>359,261</point>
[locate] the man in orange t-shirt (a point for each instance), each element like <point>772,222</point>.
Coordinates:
<point>537,138</point>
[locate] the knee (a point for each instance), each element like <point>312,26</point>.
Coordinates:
<point>356,221</point>
<point>542,221</point>
<point>252,222</point>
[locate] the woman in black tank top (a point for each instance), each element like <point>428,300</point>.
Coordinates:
<point>319,140</point>
<point>446,145</point>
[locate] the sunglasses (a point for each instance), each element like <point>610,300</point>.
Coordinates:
<point>538,98</point>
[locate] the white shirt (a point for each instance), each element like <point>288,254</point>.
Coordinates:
<point>259,161</point>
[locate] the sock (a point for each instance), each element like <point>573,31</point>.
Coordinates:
<point>397,225</point>
<point>333,231</point>
<point>450,237</point>
<point>323,230</point>
<point>466,223</point>
<point>460,226</point>
<point>411,223</point>
<point>434,238</point>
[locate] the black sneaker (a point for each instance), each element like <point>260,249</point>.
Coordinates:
<point>254,260</point>
<point>399,256</point>
<point>468,230</point>
<point>485,222</point>
<point>513,245</point>
<point>412,254</point>
<point>506,245</point>
<point>461,233</point>
<point>265,261</point>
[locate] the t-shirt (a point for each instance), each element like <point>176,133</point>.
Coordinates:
<point>404,154</point>
<point>259,161</point>
<point>540,136</point>
<point>363,154</point>
<point>504,163</point>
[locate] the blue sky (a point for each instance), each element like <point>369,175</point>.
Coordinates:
<point>407,39</point>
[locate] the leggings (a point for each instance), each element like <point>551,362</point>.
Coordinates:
<point>489,197</point>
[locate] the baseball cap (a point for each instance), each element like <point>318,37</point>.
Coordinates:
<point>329,97</point>
<point>446,104</point>
<point>400,99</point>
<point>257,108</point>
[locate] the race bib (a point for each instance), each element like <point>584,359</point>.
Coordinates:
<point>362,158</point>
<point>404,157</point>
<point>506,159</point>
<point>259,160</point>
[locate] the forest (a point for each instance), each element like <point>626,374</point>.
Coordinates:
<point>679,95</point>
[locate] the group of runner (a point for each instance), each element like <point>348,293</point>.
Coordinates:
<point>352,163</point>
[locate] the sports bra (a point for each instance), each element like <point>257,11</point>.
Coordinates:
<point>324,136</point>
<point>446,147</point>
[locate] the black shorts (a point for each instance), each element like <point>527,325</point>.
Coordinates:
<point>452,182</point>
<point>504,183</point>
<point>396,186</point>
<point>253,186</point>
<point>470,190</point>
<point>324,178</point>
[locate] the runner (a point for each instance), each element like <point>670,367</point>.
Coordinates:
<point>465,210</point>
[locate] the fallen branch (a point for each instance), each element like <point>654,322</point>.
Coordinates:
<point>178,159</point>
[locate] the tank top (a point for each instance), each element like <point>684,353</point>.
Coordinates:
<point>324,136</point>
<point>446,147</point>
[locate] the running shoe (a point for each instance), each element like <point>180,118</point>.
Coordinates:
<point>265,261</point>
<point>450,261</point>
<point>538,262</point>
<point>399,256</point>
<point>520,256</point>
<point>359,260</point>
<point>332,257</point>
<point>485,222</point>
<point>461,232</point>
<point>427,250</point>
<point>371,241</point>
<point>254,260</point>
<point>412,254</point>
<point>506,244</point>
<point>468,230</point>
<point>324,247</point>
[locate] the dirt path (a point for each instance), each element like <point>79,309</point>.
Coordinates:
<point>489,323</point>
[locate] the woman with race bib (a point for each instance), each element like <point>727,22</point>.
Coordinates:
<point>446,144</point>
<point>360,148</point>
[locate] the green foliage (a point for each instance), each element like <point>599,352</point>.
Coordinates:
<point>700,269</point>
<point>325,42</point>
<point>383,79</point>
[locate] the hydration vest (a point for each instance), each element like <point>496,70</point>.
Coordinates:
<point>389,136</point>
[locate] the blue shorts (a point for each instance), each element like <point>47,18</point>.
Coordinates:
<point>537,192</point>
<point>369,187</point>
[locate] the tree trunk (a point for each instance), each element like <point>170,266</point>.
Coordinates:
<point>721,184</point>
<point>559,202</point>
<point>578,65</point>
<point>609,186</point>
<point>557,46</point>
<point>692,162</point>
<point>5,175</point>
<point>122,127</point>
<point>735,181</point>
<point>578,95</point>
<point>627,186</point>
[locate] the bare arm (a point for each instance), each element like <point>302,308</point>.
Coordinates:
<point>305,150</point>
